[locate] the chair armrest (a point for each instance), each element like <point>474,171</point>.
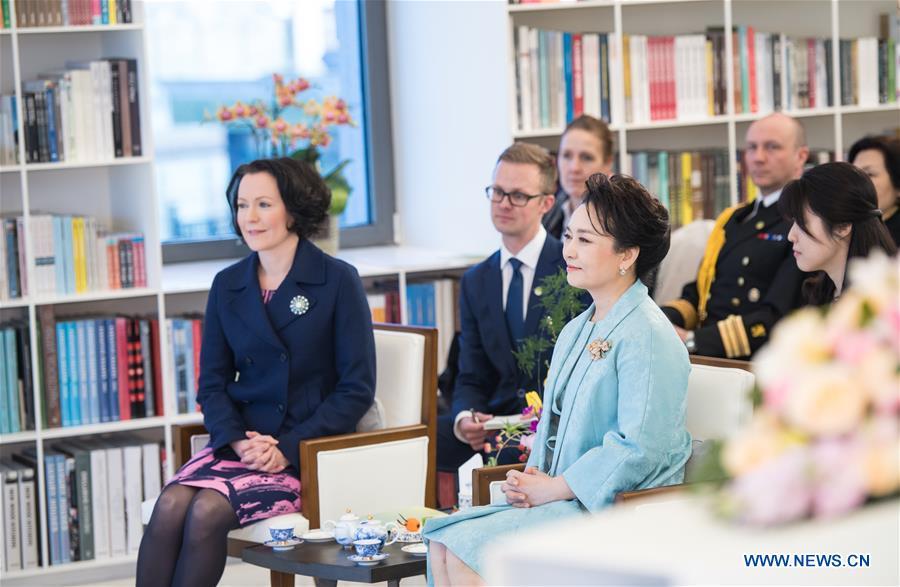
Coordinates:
<point>630,496</point>
<point>483,477</point>
<point>719,362</point>
<point>181,438</point>
<point>309,449</point>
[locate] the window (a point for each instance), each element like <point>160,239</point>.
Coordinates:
<point>206,54</point>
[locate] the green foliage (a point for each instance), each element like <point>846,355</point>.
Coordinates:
<point>559,303</point>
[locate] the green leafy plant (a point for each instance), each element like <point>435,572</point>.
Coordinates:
<point>559,303</point>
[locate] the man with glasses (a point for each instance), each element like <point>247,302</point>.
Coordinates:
<point>498,304</point>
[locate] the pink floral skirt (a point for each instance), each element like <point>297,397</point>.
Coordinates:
<point>254,495</point>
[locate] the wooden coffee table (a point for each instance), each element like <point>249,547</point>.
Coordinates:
<point>327,563</point>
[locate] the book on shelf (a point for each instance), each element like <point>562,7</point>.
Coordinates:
<point>385,306</point>
<point>99,363</point>
<point>64,13</point>
<point>560,76</point>
<point>19,516</point>
<point>692,185</point>
<point>16,382</point>
<point>75,254</point>
<point>434,303</point>
<point>185,339</point>
<point>94,489</point>
<point>89,111</point>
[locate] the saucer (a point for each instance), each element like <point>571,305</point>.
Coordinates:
<point>318,536</point>
<point>418,549</point>
<point>368,561</point>
<point>409,537</point>
<point>279,545</point>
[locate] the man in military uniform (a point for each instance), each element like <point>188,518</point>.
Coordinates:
<point>748,278</point>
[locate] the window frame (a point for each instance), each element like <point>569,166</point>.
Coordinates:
<point>380,161</point>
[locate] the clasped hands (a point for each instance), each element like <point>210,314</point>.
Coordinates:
<point>260,453</point>
<point>532,487</point>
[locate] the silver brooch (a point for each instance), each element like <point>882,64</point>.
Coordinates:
<point>299,305</point>
<point>599,348</point>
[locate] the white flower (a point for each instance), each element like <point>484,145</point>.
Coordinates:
<point>798,344</point>
<point>760,442</point>
<point>826,401</point>
<point>877,279</point>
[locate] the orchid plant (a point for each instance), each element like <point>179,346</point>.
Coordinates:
<point>825,438</point>
<point>290,126</point>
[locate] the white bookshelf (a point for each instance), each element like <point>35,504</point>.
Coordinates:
<point>833,128</point>
<point>119,193</point>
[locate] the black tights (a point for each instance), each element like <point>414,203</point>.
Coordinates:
<point>186,540</point>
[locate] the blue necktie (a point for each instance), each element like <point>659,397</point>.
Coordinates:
<point>514,320</point>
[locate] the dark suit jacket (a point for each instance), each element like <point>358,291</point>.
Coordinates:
<point>756,280</point>
<point>265,368</point>
<point>489,380</point>
<point>553,219</point>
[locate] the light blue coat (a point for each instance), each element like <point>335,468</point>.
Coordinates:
<point>621,425</point>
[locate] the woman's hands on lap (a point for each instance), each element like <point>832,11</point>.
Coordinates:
<point>532,487</point>
<point>260,453</point>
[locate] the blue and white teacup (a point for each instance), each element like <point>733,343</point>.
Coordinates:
<point>281,533</point>
<point>368,547</point>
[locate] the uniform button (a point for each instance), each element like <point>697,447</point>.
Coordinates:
<point>283,357</point>
<point>735,302</point>
<point>280,407</point>
<point>760,225</point>
<point>520,392</point>
<point>753,295</point>
<point>745,261</point>
<point>741,281</point>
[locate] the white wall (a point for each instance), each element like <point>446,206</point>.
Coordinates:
<point>450,110</point>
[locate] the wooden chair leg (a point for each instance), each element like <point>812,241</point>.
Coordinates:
<point>279,579</point>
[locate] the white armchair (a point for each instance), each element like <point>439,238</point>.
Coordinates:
<point>718,405</point>
<point>400,452</point>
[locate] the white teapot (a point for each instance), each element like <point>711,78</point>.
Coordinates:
<point>375,529</point>
<point>344,528</point>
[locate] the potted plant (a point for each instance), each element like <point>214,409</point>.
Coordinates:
<point>291,126</point>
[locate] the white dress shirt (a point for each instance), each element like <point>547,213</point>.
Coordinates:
<point>529,256</point>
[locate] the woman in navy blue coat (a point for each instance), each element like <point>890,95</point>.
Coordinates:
<point>288,353</point>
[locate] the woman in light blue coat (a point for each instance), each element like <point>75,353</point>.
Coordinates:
<point>613,416</point>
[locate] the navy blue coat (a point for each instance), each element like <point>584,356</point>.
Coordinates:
<point>489,380</point>
<point>265,368</point>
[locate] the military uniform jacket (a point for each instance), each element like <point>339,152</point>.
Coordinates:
<point>756,282</point>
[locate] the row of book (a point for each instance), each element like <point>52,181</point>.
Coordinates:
<point>52,13</point>
<point>16,384</point>
<point>89,111</point>
<point>73,254</point>
<point>560,76</point>
<point>100,369</point>
<point>691,184</point>
<point>185,340</point>
<point>93,489</point>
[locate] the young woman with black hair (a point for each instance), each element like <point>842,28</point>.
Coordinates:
<point>836,218</point>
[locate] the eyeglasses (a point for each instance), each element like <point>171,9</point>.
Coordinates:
<point>516,198</point>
